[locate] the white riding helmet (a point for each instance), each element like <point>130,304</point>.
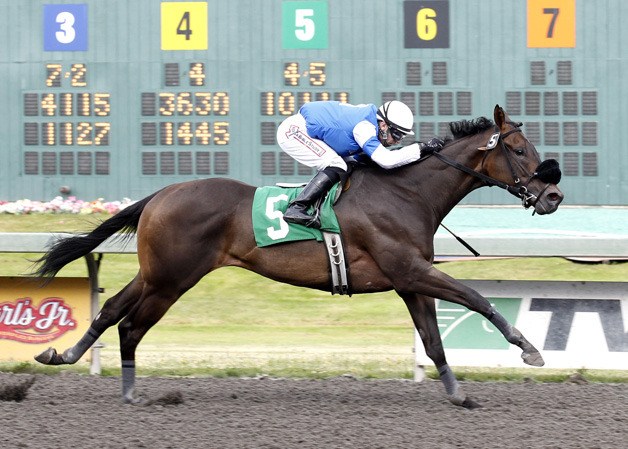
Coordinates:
<point>397,115</point>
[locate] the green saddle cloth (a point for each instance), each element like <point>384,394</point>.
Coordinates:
<point>271,202</point>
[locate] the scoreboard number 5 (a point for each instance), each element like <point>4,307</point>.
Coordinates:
<point>304,25</point>
<point>551,23</point>
<point>184,26</point>
<point>426,24</point>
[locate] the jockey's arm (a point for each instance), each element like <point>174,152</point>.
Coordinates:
<point>365,135</point>
<point>391,159</point>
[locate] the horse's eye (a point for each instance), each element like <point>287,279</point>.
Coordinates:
<point>520,151</point>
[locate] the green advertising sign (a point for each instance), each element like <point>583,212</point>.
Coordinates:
<point>462,329</point>
<point>304,25</point>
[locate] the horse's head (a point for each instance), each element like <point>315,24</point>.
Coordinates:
<point>514,161</point>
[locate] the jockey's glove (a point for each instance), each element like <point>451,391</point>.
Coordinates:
<point>433,145</point>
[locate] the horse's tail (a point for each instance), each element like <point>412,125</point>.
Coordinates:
<point>68,249</point>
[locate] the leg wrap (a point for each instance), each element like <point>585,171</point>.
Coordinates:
<point>128,380</point>
<point>449,379</point>
<point>74,353</point>
<point>504,326</point>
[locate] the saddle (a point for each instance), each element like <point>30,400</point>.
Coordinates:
<point>270,202</point>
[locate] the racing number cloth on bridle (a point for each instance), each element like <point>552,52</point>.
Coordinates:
<point>269,227</point>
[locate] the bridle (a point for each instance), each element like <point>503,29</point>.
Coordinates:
<point>517,188</point>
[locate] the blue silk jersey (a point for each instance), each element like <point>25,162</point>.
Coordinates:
<point>348,129</point>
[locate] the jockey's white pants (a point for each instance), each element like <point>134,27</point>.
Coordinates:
<point>293,138</point>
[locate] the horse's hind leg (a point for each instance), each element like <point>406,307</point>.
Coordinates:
<point>423,312</point>
<point>112,311</point>
<point>152,306</point>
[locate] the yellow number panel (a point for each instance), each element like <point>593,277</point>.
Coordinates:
<point>184,26</point>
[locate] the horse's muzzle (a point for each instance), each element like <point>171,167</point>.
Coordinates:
<point>548,200</point>
<point>544,181</point>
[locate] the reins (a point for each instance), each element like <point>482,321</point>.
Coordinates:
<point>487,179</point>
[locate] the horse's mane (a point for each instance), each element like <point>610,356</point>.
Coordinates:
<point>465,128</point>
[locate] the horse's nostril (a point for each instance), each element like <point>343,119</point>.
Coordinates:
<point>554,197</point>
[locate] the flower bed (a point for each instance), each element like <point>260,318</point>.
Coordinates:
<point>60,205</point>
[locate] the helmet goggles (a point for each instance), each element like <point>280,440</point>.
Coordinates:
<point>396,133</point>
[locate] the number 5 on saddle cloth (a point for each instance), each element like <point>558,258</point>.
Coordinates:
<point>269,227</point>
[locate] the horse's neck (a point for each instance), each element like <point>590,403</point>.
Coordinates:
<point>429,189</point>
<point>444,186</point>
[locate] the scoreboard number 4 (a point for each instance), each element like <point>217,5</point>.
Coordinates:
<point>184,26</point>
<point>551,23</point>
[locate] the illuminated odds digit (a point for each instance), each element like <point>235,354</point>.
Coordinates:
<point>202,103</point>
<point>79,72</point>
<point>197,74</point>
<point>291,74</point>
<point>317,74</point>
<point>221,133</point>
<point>53,78</point>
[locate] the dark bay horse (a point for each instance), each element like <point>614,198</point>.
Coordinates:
<point>388,219</point>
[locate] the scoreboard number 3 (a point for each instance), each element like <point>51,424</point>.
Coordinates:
<point>551,23</point>
<point>426,24</point>
<point>65,27</point>
<point>184,26</point>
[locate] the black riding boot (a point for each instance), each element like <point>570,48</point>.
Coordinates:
<point>312,192</point>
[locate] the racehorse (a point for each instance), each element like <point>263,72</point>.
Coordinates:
<point>388,219</point>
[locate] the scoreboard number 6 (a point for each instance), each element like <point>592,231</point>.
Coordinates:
<point>184,26</point>
<point>426,24</point>
<point>551,23</point>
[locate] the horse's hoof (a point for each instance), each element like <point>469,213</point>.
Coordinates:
<point>463,401</point>
<point>470,404</point>
<point>133,400</point>
<point>533,358</point>
<point>47,356</point>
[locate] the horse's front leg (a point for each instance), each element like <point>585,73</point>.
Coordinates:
<point>437,284</point>
<point>423,312</point>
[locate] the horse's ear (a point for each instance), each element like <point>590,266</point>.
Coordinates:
<point>500,116</point>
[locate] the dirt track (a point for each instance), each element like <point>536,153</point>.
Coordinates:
<point>72,411</point>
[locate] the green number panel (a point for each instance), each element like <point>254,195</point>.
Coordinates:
<point>118,99</point>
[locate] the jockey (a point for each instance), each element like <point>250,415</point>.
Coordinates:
<point>323,133</point>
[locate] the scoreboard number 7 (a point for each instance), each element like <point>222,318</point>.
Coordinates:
<point>551,23</point>
<point>184,26</point>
